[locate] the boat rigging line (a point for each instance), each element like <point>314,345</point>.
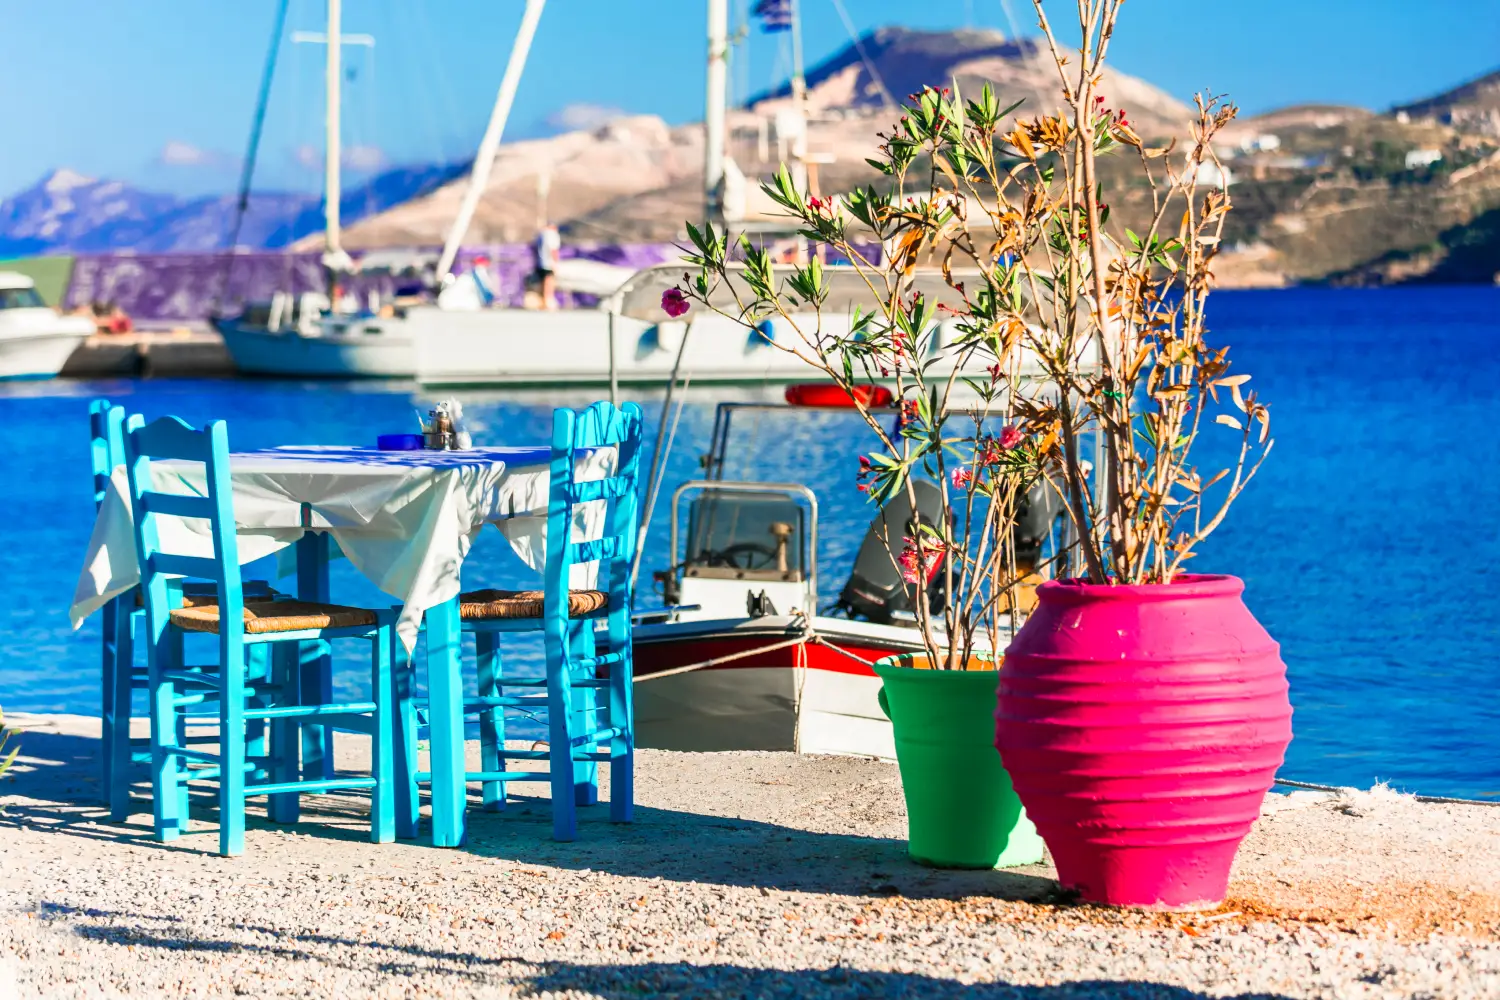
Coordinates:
<point>252,151</point>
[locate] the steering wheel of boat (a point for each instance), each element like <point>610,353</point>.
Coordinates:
<point>745,555</point>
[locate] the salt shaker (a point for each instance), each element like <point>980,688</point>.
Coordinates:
<point>439,434</point>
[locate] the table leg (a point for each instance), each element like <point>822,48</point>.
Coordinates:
<point>445,705</point>
<point>317,657</point>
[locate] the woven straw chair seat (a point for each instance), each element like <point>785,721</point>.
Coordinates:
<point>197,594</point>
<point>484,605</point>
<point>275,616</point>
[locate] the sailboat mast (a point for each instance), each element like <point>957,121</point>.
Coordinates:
<point>799,80</point>
<point>479,174</point>
<point>716,108</point>
<point>333,154</point>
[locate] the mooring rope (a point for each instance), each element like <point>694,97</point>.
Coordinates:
<point>808,634</point>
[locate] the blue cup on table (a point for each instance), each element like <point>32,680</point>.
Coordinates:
<point>399,442</point>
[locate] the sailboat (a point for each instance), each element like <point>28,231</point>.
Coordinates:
<point>462,340</point>
<point>628,339</point>
<point>336,336</point>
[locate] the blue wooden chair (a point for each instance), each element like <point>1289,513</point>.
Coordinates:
<point>119,675</point>
<point>586,691</point>
<point>250,684</point>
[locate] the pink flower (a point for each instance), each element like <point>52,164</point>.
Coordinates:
<point>1010,437</point>
<point>674,303</point>
<point>962,478</point>
<point>920,565</point>
<point>908,410</point>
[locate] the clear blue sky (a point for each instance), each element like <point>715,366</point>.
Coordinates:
<point>160,92</point>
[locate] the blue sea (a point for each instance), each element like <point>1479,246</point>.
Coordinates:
<point>1370,543</point>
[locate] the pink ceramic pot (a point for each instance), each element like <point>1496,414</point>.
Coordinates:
<point>1142,727</point>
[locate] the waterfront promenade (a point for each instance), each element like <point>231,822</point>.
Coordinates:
<point>745,875</point>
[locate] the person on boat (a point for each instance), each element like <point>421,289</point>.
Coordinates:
<point>547,247</point>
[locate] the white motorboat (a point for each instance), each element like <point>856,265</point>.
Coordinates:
<point>743,657</point>
<point>35,339</point>
<point>629,340</point>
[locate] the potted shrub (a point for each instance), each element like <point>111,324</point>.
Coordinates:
<point>1142,711</point>
<point>958,383</point>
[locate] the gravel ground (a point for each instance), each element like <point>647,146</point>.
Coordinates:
<point>745,875</point>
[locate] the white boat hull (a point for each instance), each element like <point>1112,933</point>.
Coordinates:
<point>572,347</point>
<point>806,698</point>
<point>37,342</point>
<point>377,348</point>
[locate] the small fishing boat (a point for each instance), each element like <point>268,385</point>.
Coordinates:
<point>35,339</point>
<point>742,656</point>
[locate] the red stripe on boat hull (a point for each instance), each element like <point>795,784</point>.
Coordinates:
<point>664,654</point>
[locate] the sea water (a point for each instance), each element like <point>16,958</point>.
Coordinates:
<point>1369,544</point>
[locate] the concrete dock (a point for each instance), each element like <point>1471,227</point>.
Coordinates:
<point>182,353</point>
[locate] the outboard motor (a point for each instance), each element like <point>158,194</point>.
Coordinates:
<point>1034,523</point>
<point>875,590</point>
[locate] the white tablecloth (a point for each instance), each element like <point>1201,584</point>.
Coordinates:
<point>404,519</point>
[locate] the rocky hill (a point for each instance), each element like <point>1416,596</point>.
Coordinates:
<point>1321,192</point>
<point>1474,106</point>
<point>637,179</point>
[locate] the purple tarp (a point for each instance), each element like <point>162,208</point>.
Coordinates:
<point>184,287</point>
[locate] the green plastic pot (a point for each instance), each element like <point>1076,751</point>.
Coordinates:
<point>961,810</point>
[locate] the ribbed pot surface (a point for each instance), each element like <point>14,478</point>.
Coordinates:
<point>1142,726</point>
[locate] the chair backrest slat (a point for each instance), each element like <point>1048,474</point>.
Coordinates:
<point>174,564</point>
<point>600,548</point>
<point>600,489</point>
<point>175,505</point>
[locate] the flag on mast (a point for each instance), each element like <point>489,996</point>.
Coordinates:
<point>775,15</point>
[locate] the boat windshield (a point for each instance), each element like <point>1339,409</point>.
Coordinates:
<point>745,535</point>
<point>20,298</point>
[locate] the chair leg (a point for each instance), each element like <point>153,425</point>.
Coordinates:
<point>560,718</point>
<point>407,802</point>
<point>232,740</point>
<point>585,716</point>
<point>285,807</point>
<point>108,656</point>
<point>169,819</point>
<point>382,798</point>
<point>491,720</point>
<point>622,748</point>
<point>119,766</point>
<point>122,766</point>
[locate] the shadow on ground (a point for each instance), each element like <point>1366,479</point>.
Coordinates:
<point>58,788</point>
<point>683,981</point>
<point>676,980</point>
